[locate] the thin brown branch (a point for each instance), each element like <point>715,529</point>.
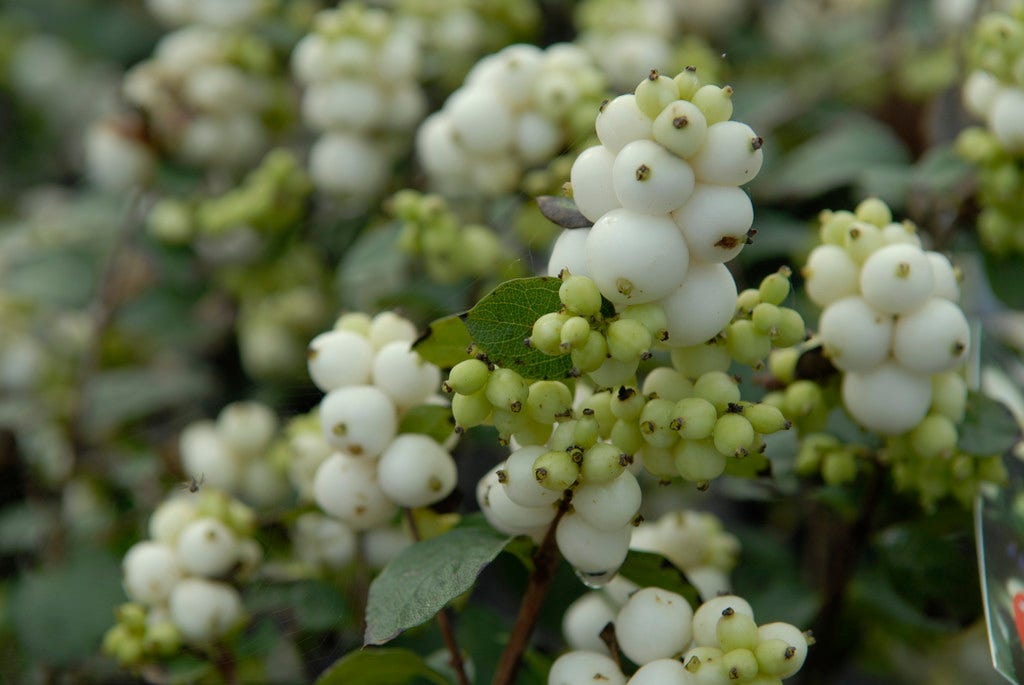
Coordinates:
<point>545,561</point>
<point>444,619</point>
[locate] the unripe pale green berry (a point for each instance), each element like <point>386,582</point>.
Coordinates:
<point>812,451</point>
<point>508,423</point>
<point>530,432</point>
<point>654,93</point>
<point>602,463</point>
<point>163,638</point>
<point>519,481</point>
<point>467,377</point>
<point>563,437</point>
<point>659,462</point>
<point>733,435</point>
<point>694,418</point>
<point>718,388</point>
<point>838,467</point>
<point>471,410</point>
<point>765,419</point>
<point>766,317</point>
<point>599,405</point>
<point>935,436</point>
<point>747,300</point>
<point>740,664</point>
<point>714,102</point>
<point>746,344</point>
<point>556,470</point>
<point>546,335</point>
<point>680,128</point>
<point>792,636</point>
<point>873,211</point>
<point>507,390</point>
<point>580,295</point>
<point>574,334</point>
<point>656,423</point>
<point>549,401</point>
<point>801,398</point>
<point>774,656</point>
<point>791,329</point>
<point>592,354</point>
<point>698,460</point>
<point>627,340</point>
<point>626,436</point>
<point>863,240</point>
<point>586,432</point>
<point>782,363</point>
<point>834,227</point>
<point>627,403</point>
<point>949,395</point>
<point>651,315</point>
<point>697,360</point>
<point>774,288</point>
<point>668,384</point>
<point>687,82</point>
<point>705,665</point>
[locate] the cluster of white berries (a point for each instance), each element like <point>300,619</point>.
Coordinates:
<point>662,190</point>
<point>117,155</point>
<point>205,92</point>
<point>372,377</point>
<point>233,453</point>
<point>181,578</point>
<point>359,67</point>
<point>516,110</point>
<point>890,319</point>
<point>220,13</point>
<point>658,630</point>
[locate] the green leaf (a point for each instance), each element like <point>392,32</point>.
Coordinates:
<point>373,267</point>
<point>446,342</point>
<point>501,322</point>
<point>118,396</point>
<point>429,419</point>
<point>379,667</point>
<point>425,577</point>
<point>182,669</point>
<point>61,614</point>
<point>988,427</point>
<point>315,605</point>
<point>1004,276</point>
<point>834,158</point>
<point>648,569</point>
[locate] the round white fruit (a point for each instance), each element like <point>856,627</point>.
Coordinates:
<point>830,274</point>
<point>521,484</point>
<point>609,506</point>
<point>979,92</point>
<point>404,375</point>
<point>151,570</point>
<point>360,419</point>
<point>207,547</point>
<point>339,358</point>
<point>247,427</point>
<point>570,252</point>
<point>347,165</point>
<point>897,278</point>
<point>1006,118</point>
<point>592,551</point>
<point>701,307</point>
<point>731,155</point>
<point>591,179</point>
<point>715,221</point>
<point>792,636</point>
<point>654,624</point>
<point>483,122</point>
<point>577,668</point>
<point>705,619</point>
<point>947,285</point>
<point>663,672</point>
<point>204,610</point>
<point>857,337</point>
<point>388,327</point>
<point>932,339</point>
<point>584,620</point>
<point>347,487</point>
<point>170,518</point>
<point>636,258</point>
<point>649,179</point>
<point>205,455</point>
<point>889,399</point>
<point>620,122</point>
<point>415,471</point>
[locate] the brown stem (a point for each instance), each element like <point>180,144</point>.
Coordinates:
<point>444,619</point>
<point>360,584</point>
<point>224,660</point>
<point>545,562</point>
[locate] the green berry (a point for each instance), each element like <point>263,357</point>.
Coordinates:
<point>874,211</point>
<point>651,315</point>
<point>740,664</point>
<point>694,418</point>
<point>530,432</point>
<point>546,335</point>
<point>680,128</point>
<point>627,339</point>
<point>656,423</point>
<point>746,344</point>
<point>718,388</point>
<point>574,334</point>
<point>467,377</point>
<point>591,355</point>
<point>774,288</point>
<point>626,436</point>
<point>733,435</point>
<point>556,470</point>
<point>834,227</point>
<point>654,92</point>
<point>627,403</point>
<point>801,398</point>
<point>782,363</point>
<point>838,467</point>
<point>862,240</point>
<point>687,82</point>
<point>714,102</point>
<point>549,401</point>
<point>697,360</point>
<point>507,390</point>
<point>668,384</point>
<point>747,300</point>
<point>586,432</point>
<point>602,463</point>
<point>736,631</point>
<point>599,406</point>
<point>471,410</point>
<point>580,295</point>
<point>791,329</point>
<point>698,461</point>
<point>765,418</point>
<point>564,436</point>
<point>936,436</point>
<point>812,452</point>
<point>949,395</point>
<point>774,656</point>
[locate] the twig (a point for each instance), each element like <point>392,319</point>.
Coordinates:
<point>225,662</point>
<point>444,619</point>
<point>545,561</point>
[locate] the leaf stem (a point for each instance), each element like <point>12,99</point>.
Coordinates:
<point>545,561</point>
<point>444,618</point>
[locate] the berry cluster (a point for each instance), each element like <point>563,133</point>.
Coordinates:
<point>117,155</point>
<point>451,250</point>
<point>372,377</point>
<point>206,93</point>
<point>517,109</point>
<point>180,580</point>
<point>359,67</point>
<point>233,453</point>
<point>718,644</point>
<point>221,13</point>
<point>628,38</point>
<point>890,319</point>
<point>662,191</point>
<point>994,92</point>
